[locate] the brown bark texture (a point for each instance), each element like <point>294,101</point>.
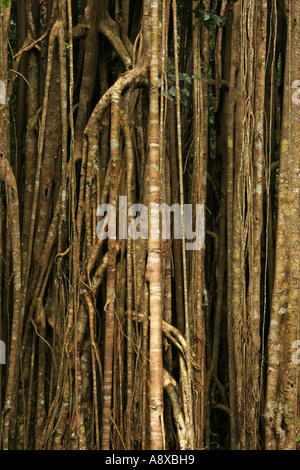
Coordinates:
<point>150,225</point>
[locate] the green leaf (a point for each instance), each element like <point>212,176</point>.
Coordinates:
<point>171,77</point>
<point>182,76</point>
<point>5,3</point>
<point>298,439</point>
<point>185,92</point>
<point>172,91</point>
<point>201,79</point>
<point>219,20</point>
<point>198,12</point>
<point>186,77</point>
<point>167,95</point>
<point>184,100</point>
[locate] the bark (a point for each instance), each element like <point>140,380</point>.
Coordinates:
<point>134,342</point>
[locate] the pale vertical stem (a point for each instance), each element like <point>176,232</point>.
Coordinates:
<point>71,79</point>
<point>185,286</point>
<point>200,141</point>
<point>64,136</point>
<point>30,392</point>
<point>269,266</point>
<point>154,260</point>
<point>91,311</point>
<point>258,190</point>
<point>196,268</point>
<point>40,322</point>
<point>6,174</point>
<point>4,142</point>
<point>74,239</point>
<point>282,398</point>
<point>145,387</point>
<point>111,275</point>
<point>130,365</point>
<point>230,200</point>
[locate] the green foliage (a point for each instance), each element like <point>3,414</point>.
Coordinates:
<point>170,90</point>
<point>209,18</point>
<point>5,3</point>
<point>201,79</point>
